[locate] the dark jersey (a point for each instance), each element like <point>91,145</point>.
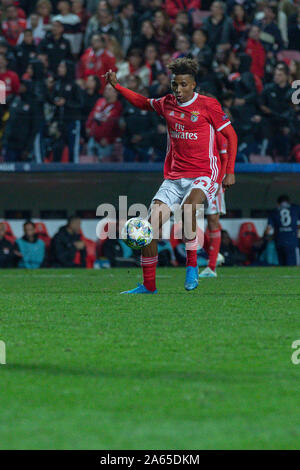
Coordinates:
<point>284,221</point>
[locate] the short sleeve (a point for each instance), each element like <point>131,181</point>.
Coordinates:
<point>157,105</point>
<point>217,117</point>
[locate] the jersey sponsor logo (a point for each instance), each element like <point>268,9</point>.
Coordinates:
<point>180,133</point>
<point>225,117</point>
<point>184,135</point>
<point>194,116</point>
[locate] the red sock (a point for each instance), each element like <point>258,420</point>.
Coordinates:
<point>214,247</point>
<point>191,252</point>
<point>149,267</point>
<point>206,243</point>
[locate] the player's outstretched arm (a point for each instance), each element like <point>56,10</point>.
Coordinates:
<point>137,100</point>
<point>232,141</point>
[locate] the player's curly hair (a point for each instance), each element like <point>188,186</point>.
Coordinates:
<point>184,66</point>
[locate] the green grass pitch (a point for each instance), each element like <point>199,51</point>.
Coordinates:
<point>88,368</point>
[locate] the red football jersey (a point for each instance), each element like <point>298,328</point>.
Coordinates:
<point>192,149</point>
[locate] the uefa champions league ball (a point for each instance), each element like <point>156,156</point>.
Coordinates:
<point>137,233</point>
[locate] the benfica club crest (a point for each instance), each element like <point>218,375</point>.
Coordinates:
<point>194,116</point>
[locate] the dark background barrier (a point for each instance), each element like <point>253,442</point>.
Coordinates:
<point>43,191</point>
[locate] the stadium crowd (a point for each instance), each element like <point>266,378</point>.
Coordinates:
<point>53,55</point>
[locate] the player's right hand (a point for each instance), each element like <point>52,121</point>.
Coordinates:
<point>111,77</point>
<point>228,181</point>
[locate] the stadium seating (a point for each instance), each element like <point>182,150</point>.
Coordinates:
<point>9,233</point>
<point>42,233</point>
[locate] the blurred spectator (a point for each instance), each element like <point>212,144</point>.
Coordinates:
<point>241,82</point>
<point>240,23</point>
<point>55,46</point>
<point>140,133</point>
<point>163,31</point>
<point>66,243</point>
<point>161,86</point>
<point>91,5</point>
<point>146,35</point>
<point>102,23</point>
<point>231,253</point>
<point>277,111</point>
<point>134,65</point>
<point>44,10</point>
<point>183,24</point>
<point>96,60</point>
<point>270,35</point>
<point>31,248</point>
<point>182,47</point>
<point>71,24</point>
<point>13,26</point>
<point>17,146</point>
<point>125,25</point>
<point>90,95</point>
<point>7,3</point>
<point>103,124</point>
<point>37,87</point>
<point>256,51</point>
<point>200,50</point>
<point>79,10</point>
<point>219,26</point>
<point>35,23</point>
<point>152,62</point>
<point>66,96</point>
<point>7,254</point>
<point>25,52</point>
<point>173,7</point>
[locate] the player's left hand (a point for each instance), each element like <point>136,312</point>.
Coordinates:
<point>228,181</point>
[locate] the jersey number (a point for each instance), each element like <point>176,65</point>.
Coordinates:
<point>285,217</point>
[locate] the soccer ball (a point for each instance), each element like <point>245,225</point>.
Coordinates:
<point>137,233</point>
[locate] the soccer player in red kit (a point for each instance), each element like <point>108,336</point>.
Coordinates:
<point>192,165</point>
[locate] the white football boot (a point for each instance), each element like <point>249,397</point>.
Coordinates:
<point>220,259</point>
<point>207,272</point>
